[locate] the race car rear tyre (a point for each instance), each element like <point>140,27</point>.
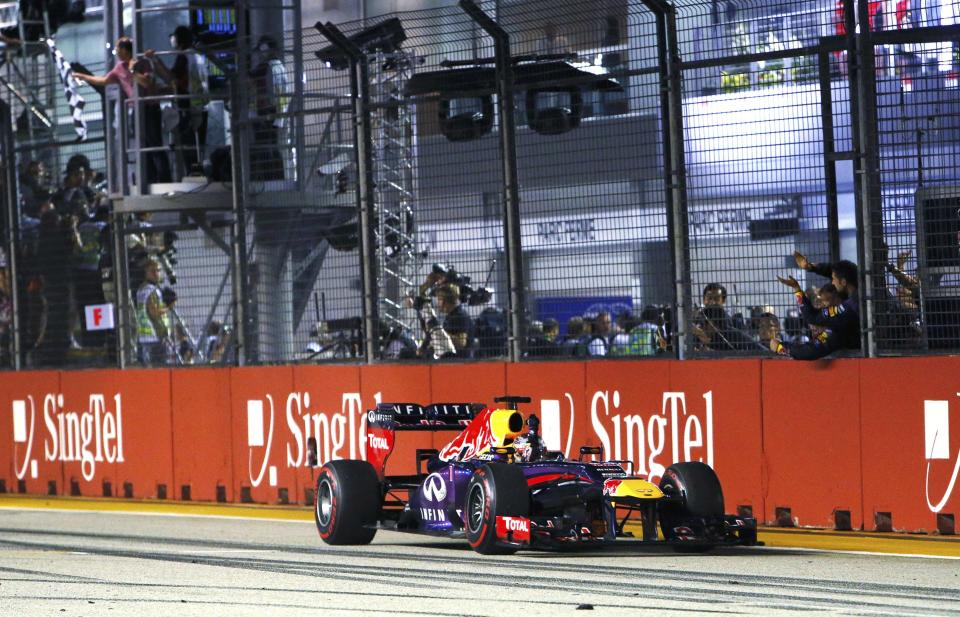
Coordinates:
<point>697,484</point>
<point>347,502</point>
<point>496,489</point>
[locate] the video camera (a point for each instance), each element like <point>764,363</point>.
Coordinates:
<point>446,274</point>
<point>342,337</point>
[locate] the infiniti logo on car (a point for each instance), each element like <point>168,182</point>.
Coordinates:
<point>434,488</point>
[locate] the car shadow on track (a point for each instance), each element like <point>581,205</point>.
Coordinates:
<point>625,548</point>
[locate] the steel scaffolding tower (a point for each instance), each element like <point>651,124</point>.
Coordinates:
<point>394,153</point>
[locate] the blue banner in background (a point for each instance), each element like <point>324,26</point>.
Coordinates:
<point>562,309</point>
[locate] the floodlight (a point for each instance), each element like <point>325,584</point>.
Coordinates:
<point>387,36</point>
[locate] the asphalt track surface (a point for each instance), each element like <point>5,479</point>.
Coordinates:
<point>71,563</point>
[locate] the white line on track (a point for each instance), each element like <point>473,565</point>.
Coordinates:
<point>846,552</point>
<point>171,514</point>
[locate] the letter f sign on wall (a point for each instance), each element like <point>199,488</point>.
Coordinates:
<point>99,316</point>
<point>936,424</point>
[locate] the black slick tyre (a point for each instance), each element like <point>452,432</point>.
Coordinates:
<point>698,487</point>
<point>496,489</point>
<point>348,502</point>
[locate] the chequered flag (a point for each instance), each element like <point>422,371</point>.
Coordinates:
<point>74,99</point>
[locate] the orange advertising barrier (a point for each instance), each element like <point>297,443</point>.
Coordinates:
<point>811,442</point>
<point>871,444</point>
<point>725,397</point>
<point>258,400</point>
<point>910,422</point>
<point>32,461</point>
<point>117,433</point>
<point>203,467</point>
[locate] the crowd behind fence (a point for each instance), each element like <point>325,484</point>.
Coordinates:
<point>529,180</point>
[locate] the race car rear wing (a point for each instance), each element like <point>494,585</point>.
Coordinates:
<point>387,418</point>
<point>414,417</point>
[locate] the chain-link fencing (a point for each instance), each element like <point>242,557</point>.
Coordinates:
<point>533,180</point>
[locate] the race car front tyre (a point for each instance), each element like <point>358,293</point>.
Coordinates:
<point>347,502</point>
<point>702,498</point>
<point>496,489</point>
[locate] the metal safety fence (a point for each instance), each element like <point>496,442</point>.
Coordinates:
<point>535,180</point>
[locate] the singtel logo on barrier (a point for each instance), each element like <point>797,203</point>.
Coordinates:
<point>936,422</point>
<point>672,434</point>
<point>90,436</point>
<point>655,441</point>
<point>338,435</point>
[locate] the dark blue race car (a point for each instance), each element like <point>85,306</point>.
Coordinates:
<point>496,485</point>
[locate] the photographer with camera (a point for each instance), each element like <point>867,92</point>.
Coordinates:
<point>149,245</point>
<point>456,323</point>
<point>714,328</point>
<point>455,336</point>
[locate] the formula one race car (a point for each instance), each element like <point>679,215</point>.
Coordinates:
<point>497,486</point>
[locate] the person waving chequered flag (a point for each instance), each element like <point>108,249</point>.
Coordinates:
<point>74,99</point>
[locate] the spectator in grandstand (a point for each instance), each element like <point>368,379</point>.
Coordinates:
<point>211,338</point>
<point>571,345</point>
<point>130,71</point>
<point>822,298</point>
<point>908,286</point>
<point>182,348</point>
<point>152,333</point>
<point>74,197</point>
<point>551,330</point>
<point>88,280</point>
<point>713,327</point>
<point>58,242</point>
<point>844,276</point>
<point>189,79</point>
<point>490,330</point>
<point>216,346</point>
<point>645,336</point>
<point>844,319</point>
<point>619,339</point>
<point>34,188</point>
<point>536,341</point>
<point>599,342</point>
<point>715,294</point>
<point>33,319</point>
<point>898,314</point>
<point>89,181</point>
<point>223,352</point>
<point>273,90</point>
<point>824,340</point>
<point>539,344</point>
<point>456,323</point>
<point>828,296</point>
<point>768,330</point>
<point>80,161</point>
